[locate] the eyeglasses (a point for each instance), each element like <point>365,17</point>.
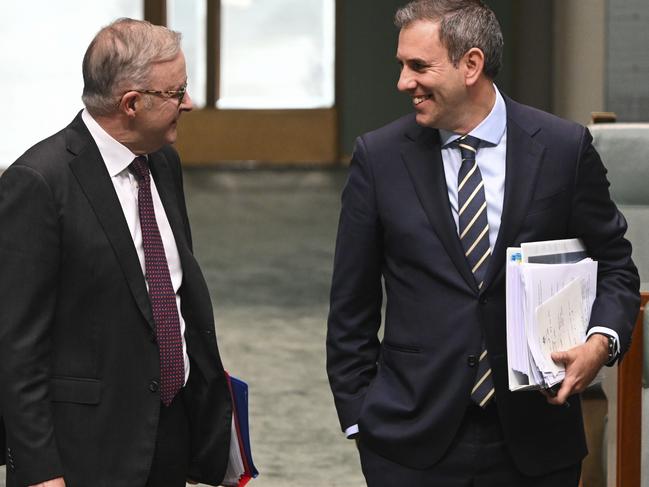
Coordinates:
<point>178,94</point>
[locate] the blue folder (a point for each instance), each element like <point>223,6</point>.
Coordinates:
<point>240,467</point>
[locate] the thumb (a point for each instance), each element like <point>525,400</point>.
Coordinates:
<point>561,357</point>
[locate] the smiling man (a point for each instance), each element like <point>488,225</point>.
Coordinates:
<point>109,369</point>
<point>431,204</point>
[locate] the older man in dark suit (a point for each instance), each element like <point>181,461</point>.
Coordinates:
<point>432,202</point>
<point>109,369</point>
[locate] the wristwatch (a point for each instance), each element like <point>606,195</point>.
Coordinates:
<point>612,349</point>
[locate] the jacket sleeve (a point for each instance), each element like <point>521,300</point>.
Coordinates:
<point>29,260</point>
<point>356,294</point>
<point>2,441</point>
<point>598,222</point>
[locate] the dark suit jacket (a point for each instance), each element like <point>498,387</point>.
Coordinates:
<point>79,363</point>
<point>2,441</point>
<point>409,392</point>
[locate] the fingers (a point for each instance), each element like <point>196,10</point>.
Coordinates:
<point>569,385</point>
<point>564,358</point>
<point>565,391</point>
<point>582,364</point>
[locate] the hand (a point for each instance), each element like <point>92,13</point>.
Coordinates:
<point>582,364</point>
<point>57,482</point>
<point>192,482</point>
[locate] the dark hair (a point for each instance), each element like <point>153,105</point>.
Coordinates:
<point>463,24</point>
<point>120,57</point>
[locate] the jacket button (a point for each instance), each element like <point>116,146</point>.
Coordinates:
<point>484,300</point>
<point>152,337</point>
<point>472,360</point>
<point>153,386</point>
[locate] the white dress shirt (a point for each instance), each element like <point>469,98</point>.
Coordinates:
<point>117,158</point>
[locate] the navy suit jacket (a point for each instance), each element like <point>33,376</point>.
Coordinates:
<point>79,362</point>
<point>409,392</point>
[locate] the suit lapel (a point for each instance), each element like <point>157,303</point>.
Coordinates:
<point>91,173</point>
<point>423,159</point>
<point>524,157</point>
<point>166,185</point>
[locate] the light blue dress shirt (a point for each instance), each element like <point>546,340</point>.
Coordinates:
<point>491,156</point>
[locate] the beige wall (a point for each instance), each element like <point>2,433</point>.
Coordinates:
<point>579,79</point>
<point>579,58</point>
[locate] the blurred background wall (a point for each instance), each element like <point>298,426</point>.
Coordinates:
<point>284,87</point>
<point>288,81</point>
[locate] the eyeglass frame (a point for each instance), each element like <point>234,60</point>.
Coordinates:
<point>168,94</point>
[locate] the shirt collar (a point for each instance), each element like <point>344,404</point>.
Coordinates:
<point>116,156</point>
<point>491,129</point>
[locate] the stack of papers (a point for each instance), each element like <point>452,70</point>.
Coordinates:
<point>551,287</point>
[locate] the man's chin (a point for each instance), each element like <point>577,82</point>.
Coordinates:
<point>171,137</point>
<point>424,119</point>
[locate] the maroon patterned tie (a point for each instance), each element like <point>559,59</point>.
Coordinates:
<point>161,292</point>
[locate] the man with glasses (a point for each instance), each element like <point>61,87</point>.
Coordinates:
<point>109,369</point>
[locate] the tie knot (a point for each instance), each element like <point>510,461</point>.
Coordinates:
<point>140,167</point>
<point>468,146</point>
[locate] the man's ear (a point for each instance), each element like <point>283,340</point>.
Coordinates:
<point>473,62</point>
<point>130,103</point>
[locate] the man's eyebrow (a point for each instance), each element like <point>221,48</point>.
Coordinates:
<point>178,87</point>
<point>416,60</point>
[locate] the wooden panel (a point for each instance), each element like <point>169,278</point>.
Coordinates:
<point>213,52</point>
<point>629,408</point>
<point>155,11</point>
<point>211,136</point>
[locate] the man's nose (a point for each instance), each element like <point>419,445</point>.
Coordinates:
<point>406,81</point>
<point>186,103</point>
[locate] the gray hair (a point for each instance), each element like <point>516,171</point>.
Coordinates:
<point>120,58</point>
<point>463,24</point>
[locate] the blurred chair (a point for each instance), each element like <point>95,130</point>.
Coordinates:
<point>623,148</point>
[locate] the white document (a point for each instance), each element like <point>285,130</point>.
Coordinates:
<point>560,326</point>
<point>548,309</point>
<point>518,356</point>
<point>235,461</point>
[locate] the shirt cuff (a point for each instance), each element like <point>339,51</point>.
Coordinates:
<point>606,331</point>
<point>351,431</point>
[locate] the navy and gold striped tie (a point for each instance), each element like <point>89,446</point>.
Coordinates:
<point>474,235</point>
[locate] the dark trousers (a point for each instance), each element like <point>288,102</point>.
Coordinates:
<point>477,458</point>
<point>171,458</point>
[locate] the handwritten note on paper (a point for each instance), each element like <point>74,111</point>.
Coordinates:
<point>560,323</point>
